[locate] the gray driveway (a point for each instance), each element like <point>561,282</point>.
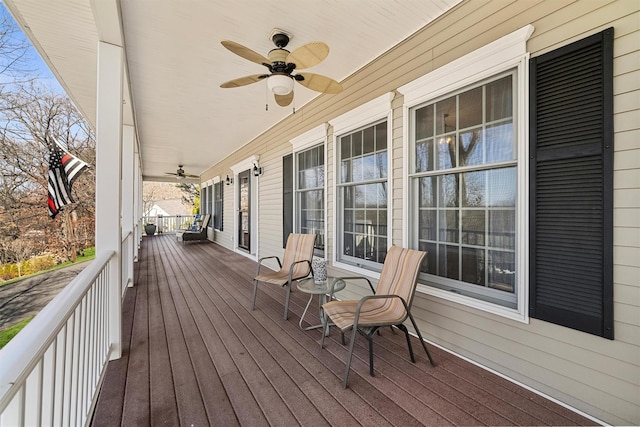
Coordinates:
<point>27,297</point>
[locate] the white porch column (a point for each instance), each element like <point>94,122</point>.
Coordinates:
<point>128,183</point>
<point>108,178</point>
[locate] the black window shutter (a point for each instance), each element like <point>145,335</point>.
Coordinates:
<point>287,197</point>
<point>571,217</point>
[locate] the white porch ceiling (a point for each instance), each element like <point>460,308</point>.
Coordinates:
<point>175,61</point>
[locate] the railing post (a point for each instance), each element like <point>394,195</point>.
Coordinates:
<point>108,179</point>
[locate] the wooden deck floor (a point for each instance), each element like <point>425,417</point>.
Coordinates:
<point>196,355</point>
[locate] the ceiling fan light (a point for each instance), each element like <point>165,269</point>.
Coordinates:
<point>280,84</point>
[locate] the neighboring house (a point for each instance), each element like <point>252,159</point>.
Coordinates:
<point>169,207</point>
<point>503,138</point>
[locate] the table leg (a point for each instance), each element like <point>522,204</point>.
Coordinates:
<point>304,313</point>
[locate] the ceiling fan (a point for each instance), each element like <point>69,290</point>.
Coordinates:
<point>180,174</point>
<point>281,64</point>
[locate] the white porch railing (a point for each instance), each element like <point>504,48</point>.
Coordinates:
<point>169,224</point>
<point>127,260</point>
<point>50,373</point>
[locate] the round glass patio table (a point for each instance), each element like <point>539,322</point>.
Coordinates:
<point>325,291</point>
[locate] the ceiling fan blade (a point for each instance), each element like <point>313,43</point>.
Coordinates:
<point>308,55</point>
<point>188,175</point>
<point>284,100</point>
<point>170,173</point>
<point>243,81</point>
<point>319,83</point>
<point>246,53</point>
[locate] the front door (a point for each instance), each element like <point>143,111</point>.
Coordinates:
<point>244,211</point>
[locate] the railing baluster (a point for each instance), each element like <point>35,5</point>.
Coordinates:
<point>52,370</point>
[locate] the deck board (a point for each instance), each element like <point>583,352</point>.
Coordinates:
<point>194,353</point>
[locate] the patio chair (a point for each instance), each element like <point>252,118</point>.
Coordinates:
<point>199,234</point>
<point>390,306</point>
<point>295,265</point>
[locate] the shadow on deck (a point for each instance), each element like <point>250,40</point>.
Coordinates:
<point>195,355</point>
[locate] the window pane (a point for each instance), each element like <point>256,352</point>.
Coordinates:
<point>424,155</point>
<point>381,136</point>
<point>369,169</point>
<point>446,115</point>
<point>427,225</point>
<point>430,264</point>
<point>345,147</point>
<point>500,143</point>
<point>449,191</point>
<point>448,261</point>
<point>381,165</point>
<point>502,229</point>
<point>345,171</point>
<point>446,152</point>
<point>471,147</point>
<point>470,108</point>
<point>369,143</point>
<point>356,144</point>
<point>502,187</point>
<point>473,268</point>
<point>473,227</point>
<point>473,189</point>
<point>448,226</point>
<point>502,271</point>
<point>424,122</point>
<point>499,99</point>
<point>427,192</point>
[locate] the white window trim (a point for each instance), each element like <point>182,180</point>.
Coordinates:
<point>366,114</point>
<point>236,169</point>
<point>215,180</point>
<point>501,55</point>
<point>312,137</point>
<point>309,139</point>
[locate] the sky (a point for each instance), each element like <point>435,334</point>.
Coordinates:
<point>39,68</point>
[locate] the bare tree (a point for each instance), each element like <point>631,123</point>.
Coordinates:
<point>15,54</point>
<point>30,116</point>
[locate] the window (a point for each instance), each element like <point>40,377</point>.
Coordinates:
<point>218,205</point>
<point>287,198</point>
<point>204,206</point>
<point>310,195</point>
<point>305,195</point>
<point>464,190</point>
<point>362,193</point>
<point>467,193</point>
<point>363,196</point>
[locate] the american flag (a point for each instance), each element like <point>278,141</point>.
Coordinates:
<point>63,170</point>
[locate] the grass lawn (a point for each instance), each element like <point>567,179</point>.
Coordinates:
<point>12,331</point>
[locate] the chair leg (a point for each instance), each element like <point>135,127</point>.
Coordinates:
<point>346,370</point>
<point>325,329</point>
<point>370,338</point>
<point>255,294</point>
<point>406,334</point>
<point>342,338</point>
<point>421,339</point>
<point>286,304</point>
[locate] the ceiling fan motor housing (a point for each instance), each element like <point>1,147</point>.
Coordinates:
<point>280,39</point>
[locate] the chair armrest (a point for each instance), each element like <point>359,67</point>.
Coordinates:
<point>359,278</point>
<point>264,258</point>
<point>293,266</point>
